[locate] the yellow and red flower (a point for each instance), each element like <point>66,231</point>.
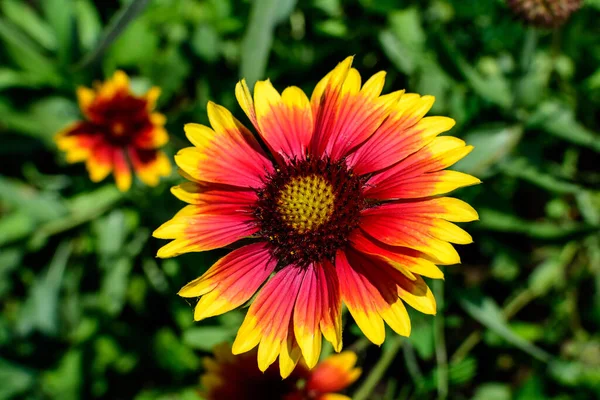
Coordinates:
<point>344,206</point>
<point>230,377</point>
<point>119,130</point>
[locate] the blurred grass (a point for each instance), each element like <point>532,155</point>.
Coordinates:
<point>88,312</point>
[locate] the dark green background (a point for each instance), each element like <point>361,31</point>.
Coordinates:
<point>87,311</point>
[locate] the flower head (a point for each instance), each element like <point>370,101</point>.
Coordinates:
<point>119,129</point>
<point>343,207</point>
<point>230,377</point>
<point>544,13</point>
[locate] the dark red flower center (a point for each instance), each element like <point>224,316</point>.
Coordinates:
<point>120,118</point>
<point>308,208</point>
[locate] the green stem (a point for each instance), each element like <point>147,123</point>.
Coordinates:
<point>466,346</point>
<point>508,311</point>
<point>360,345</point>
<point>412,365</point>
<point>527,55</point>
<point>440,342</point>
<point>365,390</point>
<point>528,50</point>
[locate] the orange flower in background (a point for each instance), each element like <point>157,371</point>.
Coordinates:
<point>120,131</point>
<point>344,207</point>
<point>230,377</point>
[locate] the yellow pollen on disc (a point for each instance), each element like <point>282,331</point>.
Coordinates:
<point>306,202</point>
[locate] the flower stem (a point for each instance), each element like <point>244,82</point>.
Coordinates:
<point>522,299</point>
<point>365,390</point>
<point>526,60</point>
<point>440,342</point>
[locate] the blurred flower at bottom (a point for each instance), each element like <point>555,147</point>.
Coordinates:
<point>119,129</point>
<point>237,377</point>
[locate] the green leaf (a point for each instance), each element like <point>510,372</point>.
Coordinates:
<point>523,169</point>
<point>65,381</point>
<point>462,371</point>
<point>531,389</point>
<point>404,41</point>
<point>39,205</point>
<point>392,47</point>
<point>15,380</point>
<point>23,16</point>
<point>559,120</point>
<point>10,78</point>
<point>89,25</point>
<point>575,374</point>
<point>168,70</point>
<point>422,338</point>
<point>40,310</point>
<point>528,331</point>
<point>206,42</point>
<point>59,13</point>
<point>183,394</point>
<point>117,25</point>
<point>494,88</point>
<point>26,54</point>
<point>505,222</point>
<point>82,208</point>
<point>207,337</point>
<point>137,45</point>
<point>493,391</point>
<point>332,27</point>
<point>115,282</point>
<point>551,273</point>
<point>433,80</point>
<point>110,232</point>
<point>10,259</point>
<point>173,355</point>
<point>488,314</point>
<point>16,226</point>
<point>43,119</point>
<point>257,42</point>
<point>155,275</point>
<point>491,145</point>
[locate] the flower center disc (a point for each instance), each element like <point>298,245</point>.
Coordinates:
<point>308,208</point>
<point>306,202</point>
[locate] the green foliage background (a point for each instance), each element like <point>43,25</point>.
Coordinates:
<point>86,309</point>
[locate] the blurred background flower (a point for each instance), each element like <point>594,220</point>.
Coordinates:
<point>544,13</point>
<point>119,128</point>
<point>87,311</point>
<point>237,377</point>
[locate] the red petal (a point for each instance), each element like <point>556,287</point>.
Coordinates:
<point>268,318</point>
<point>285,121</point>
<point>194,230</point>
<point>228,155</point>
<point>387,224</point>
<point>231,281</point>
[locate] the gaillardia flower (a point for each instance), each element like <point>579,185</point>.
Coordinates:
<point>230,377</point>
<point>119,129</point>
<point>343,206</point>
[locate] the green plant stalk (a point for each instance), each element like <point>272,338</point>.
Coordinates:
<point>516,304</point>
<point>441,355</point>
<point>527,56</point>
<point>365,390</point>
<point>510,309</point>
<point>410,359</point>
<point>114,29</point>
<point>360,345</point>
